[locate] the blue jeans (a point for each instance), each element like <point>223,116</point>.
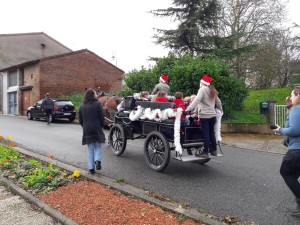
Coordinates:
<point>207,126</point>
<point>93,154</point>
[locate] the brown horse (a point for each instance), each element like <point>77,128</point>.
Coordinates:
<point>109,104</point>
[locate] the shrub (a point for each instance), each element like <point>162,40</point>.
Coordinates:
<point>185,73</point>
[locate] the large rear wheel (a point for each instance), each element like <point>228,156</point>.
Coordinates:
<point>117,139</point>
<point>157,151</point>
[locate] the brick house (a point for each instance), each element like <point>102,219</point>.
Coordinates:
<point>63,74</point>
<point>23,47</point>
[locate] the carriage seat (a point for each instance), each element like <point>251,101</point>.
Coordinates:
<point>155,105</point>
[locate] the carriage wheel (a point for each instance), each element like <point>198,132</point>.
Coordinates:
<point>157,151</point>
<point>191,151</point>
<point>117,139</point>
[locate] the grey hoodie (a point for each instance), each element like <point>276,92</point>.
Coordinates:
<point>206,104</point>
<point>161,87</point>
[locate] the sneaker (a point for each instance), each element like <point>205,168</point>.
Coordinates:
<point>202,155</point>
<point>296,211</point>
<point>92,171</point>
<point>98,165</point>
<point>214,153</point>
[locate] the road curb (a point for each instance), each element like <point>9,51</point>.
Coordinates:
<point>123,187</point>
<point>33,200</point>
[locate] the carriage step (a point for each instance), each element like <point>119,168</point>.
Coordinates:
<point>190,158</point>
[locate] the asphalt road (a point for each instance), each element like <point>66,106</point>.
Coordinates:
<point>244,183</point>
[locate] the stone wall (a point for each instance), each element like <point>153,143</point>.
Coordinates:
<point>249,128</point>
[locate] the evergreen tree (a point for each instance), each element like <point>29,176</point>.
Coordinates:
<point>197,23</point>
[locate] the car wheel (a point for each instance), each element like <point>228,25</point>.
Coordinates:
<point>29,115</point>
<point>71,119</point>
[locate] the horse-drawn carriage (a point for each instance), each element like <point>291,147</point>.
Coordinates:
<point>162,126</point>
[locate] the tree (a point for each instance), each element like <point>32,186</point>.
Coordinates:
<point>248,22</point>
<point>281,49</point>
<point>197,20</point>
<point>230,29</point>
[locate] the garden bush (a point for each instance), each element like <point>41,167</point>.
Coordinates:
<point>185,73</point>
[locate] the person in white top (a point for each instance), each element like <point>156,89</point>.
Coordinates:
<point>207,100</point>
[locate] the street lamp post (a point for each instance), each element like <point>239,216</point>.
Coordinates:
<point>114,57</point>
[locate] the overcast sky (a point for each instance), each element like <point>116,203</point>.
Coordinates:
<point>106,27</point>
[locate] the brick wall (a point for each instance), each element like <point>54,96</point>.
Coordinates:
<point>75,72</point>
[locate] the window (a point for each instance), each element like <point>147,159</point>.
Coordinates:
<point>12,78</point>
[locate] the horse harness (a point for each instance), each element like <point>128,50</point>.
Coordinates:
<point>104,104</point>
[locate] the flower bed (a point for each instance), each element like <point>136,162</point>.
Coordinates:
<point>30,174</point>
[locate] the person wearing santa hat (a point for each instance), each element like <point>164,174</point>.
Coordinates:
<point>206,100</point>
<point>162,85</point>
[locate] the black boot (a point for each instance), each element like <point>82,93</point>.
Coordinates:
<point>92,171</point>
<point>213,152</point>
<point>98,165</point>
<point>296,211</point>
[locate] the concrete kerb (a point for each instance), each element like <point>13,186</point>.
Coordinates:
<point>123,187</point>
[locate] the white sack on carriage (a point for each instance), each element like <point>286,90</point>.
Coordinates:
<point>159,116</point>
<point>217,127</point>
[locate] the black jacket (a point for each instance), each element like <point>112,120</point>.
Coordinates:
<point>91,118</point>
<point>48,103</point>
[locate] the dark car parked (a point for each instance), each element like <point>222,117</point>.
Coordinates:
<point>62,109</point>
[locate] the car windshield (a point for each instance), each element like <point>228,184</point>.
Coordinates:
<point>63,103</point>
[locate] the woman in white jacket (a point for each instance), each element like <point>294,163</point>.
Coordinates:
<point>207,99</point>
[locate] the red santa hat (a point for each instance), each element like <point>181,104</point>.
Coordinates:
<point>206,80</point>
<point>163,78</point>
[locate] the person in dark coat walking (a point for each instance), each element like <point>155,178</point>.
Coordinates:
<point>91,118</point>
<point>48,106</point>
